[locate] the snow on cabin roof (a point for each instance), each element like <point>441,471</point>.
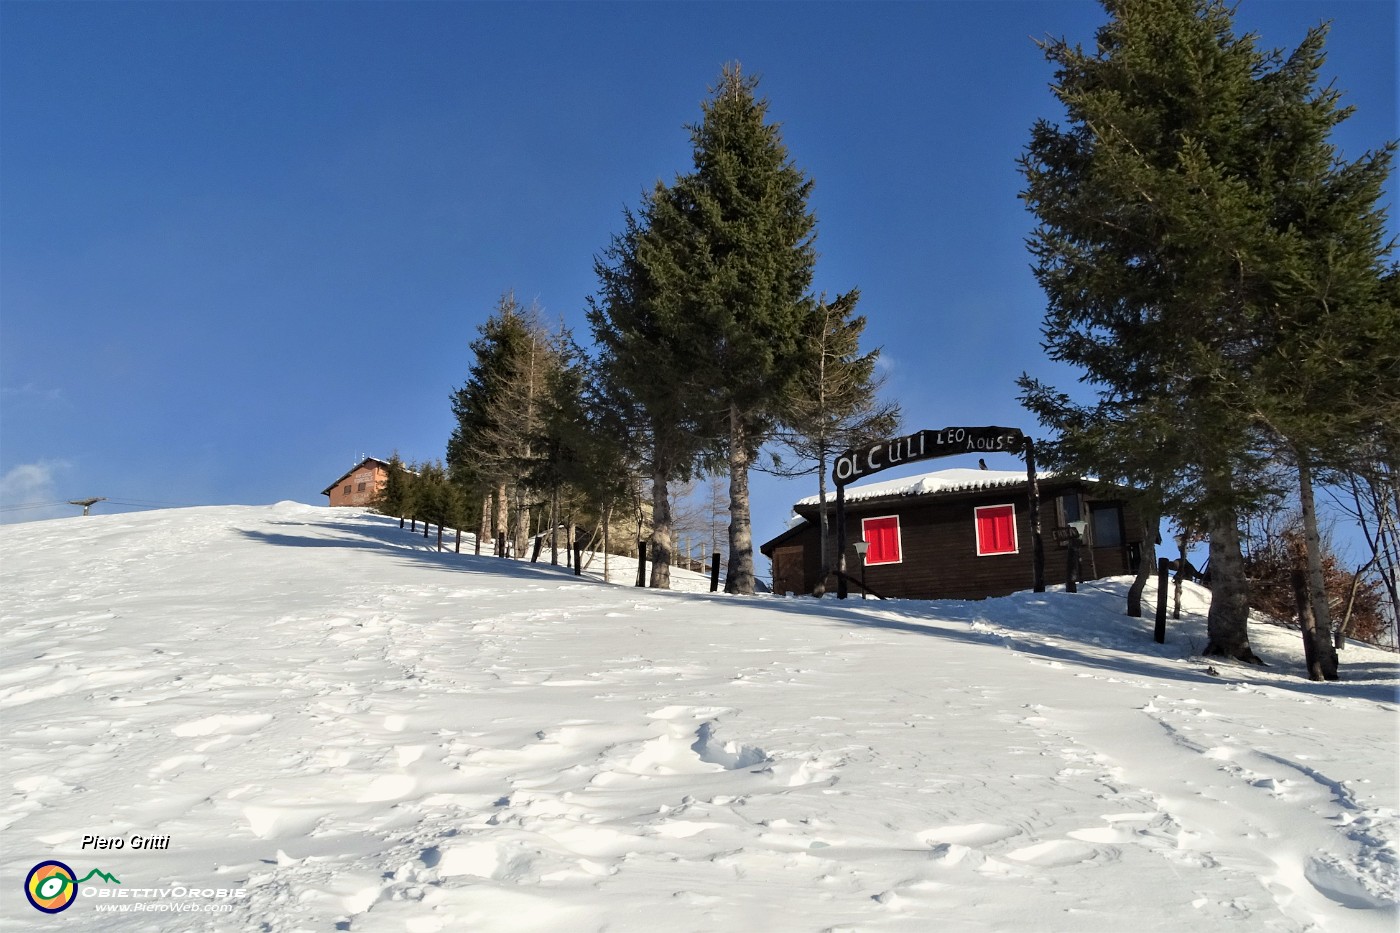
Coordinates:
<point>955,480</point>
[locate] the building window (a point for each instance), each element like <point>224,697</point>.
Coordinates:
<point>882,534</point>
<point>1070,509</point>
<point>360,488</point>
<point>1106,522</point>
<point>347,489</point>
<point>996,530</point>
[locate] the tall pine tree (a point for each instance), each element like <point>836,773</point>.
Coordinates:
<point>1326,379</point>
<point>1163,249</point>
<point>832,405</point>
<point>499,411</point>
<point>731,257</point>
<point>646,368</point>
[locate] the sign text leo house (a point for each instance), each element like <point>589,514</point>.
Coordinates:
<point>924,445</point>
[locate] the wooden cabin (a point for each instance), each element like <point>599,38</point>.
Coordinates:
<point>958,534</point>
<point>360,485</point>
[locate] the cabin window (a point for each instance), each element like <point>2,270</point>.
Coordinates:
<point>1070,510</point>
<point>996,530</point>
<point>882,534</point>
<point>347,489</point>
<point>1107,523</point>
<point>361,487</point>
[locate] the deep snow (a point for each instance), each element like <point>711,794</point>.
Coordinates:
<point>359,733</point>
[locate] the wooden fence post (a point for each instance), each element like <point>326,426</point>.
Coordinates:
<point>714,572</point>
<point>641,563</point>
<point>1159,632</point>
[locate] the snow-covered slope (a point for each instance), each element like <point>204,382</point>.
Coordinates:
<point>338,729</point>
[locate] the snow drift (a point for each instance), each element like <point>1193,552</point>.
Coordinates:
<point>336,728</point>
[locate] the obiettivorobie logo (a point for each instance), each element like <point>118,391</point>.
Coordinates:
<point>52,886</point>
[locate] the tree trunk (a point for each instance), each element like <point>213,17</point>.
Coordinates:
<point>662,534</point>
<point>1227,625</point>
<point>521,525</point>
<point>1180,573</point>
<point>1307,622</point>
<point>498,524</point>
<point>1147,564</point>
<point>1344,626</point>
<point>1325,655</point>
<point>483,527</point>
<point>824,533</point>
<point>554,527</point>
<point>740,577</point>
<point>606,512</point>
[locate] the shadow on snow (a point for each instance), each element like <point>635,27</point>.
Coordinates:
<point>1088,629</point>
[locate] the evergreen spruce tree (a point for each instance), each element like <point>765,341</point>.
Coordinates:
<point>731,259</point>
<point>1162,248</point>
<point>832,405</point>
<point>613,453</point>
<point>413,493</point>
<point>1326,378</point>
<point>560,449</point>
<point>498,412</point>
<point>647,371</point>
<point>392,496</point>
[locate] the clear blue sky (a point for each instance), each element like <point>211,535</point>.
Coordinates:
<point>242,244</point>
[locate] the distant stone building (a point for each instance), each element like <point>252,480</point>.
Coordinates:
<point>360,485</point>
<point>959,534</point>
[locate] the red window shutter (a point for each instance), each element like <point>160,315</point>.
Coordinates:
<point>883,536</point>
<point>996,530</point>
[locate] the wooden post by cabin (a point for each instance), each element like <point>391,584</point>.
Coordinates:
<point>1072,562</point>
<point>714,572</point>
<point>1037,542</point>
<point>641,563</point>
<point>535,552</point>
<point>1159,631</point>
<point>578,555</point>
<point>842,591</point>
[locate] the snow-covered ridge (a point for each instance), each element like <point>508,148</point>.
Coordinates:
<point>355,732</point>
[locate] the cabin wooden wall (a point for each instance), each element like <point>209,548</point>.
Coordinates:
<point>939,550</point>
